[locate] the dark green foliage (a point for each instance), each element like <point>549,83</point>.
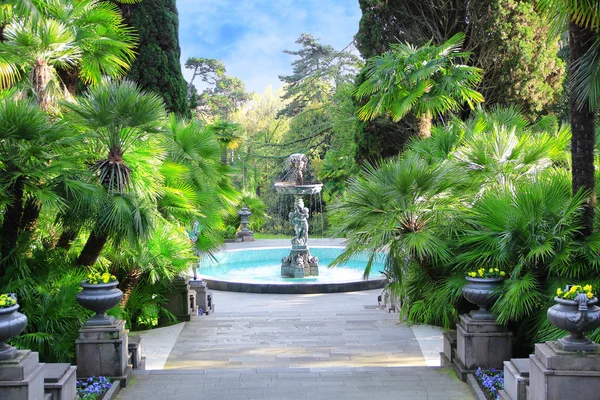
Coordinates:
<point>508,39</point>
<point>157,67</point>
<point>492,191</point>
<point>318,71</point>
<point>47,297</point>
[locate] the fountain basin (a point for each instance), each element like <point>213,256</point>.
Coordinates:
<point>258,271</point>
<point>299,190</point>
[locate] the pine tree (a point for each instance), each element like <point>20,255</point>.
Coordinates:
<point>157,67</point>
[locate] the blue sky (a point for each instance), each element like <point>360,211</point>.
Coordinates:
<point>250,35</point>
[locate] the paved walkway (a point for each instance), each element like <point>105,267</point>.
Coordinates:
<point>322,346</point>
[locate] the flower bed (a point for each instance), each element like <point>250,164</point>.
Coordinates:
<point>490,382</point>
<point>93,388</point>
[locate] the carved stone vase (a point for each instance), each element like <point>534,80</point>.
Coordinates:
<point>12,323</point>
<point>99,298</point>
<point>483,292</point>
<point>576,317</point>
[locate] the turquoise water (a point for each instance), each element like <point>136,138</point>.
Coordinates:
<point>264,266</point>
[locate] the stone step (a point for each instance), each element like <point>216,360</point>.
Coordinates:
<point>47,396</point>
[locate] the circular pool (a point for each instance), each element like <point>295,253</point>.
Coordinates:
<point>259,271</point>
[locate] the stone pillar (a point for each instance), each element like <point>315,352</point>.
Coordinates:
<point>103,351</point>
<point>60,381</point>
<point>22,377</point>
<point>201,295</point>
<point>480,344</point>
<point>516,379</point>
<point>557,374</point>
<point>449,348</point>
<point>178,300</point>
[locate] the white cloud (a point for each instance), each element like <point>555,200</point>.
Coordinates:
<point>250,35</point>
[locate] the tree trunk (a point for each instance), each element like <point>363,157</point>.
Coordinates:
<point>582,130</point>
<point>92,249</point>
<point>129,283</point>
<point>66,238</point>
<point>12,220</point>
<point>424,123</point>
<point>69,78</point>
<point>41,76</point>
<point>31,214</point>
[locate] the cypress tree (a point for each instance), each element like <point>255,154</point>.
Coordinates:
<point>157,67</point>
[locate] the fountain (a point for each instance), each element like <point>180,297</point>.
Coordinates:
<point>299,263</point>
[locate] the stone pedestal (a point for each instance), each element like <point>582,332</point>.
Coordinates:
<point>516,379</point>
<point>300,263</point>
<point>480,344</point>
<point>134,346</point>
<point>557,374</point>
<point>449,349</point>
<point>201,295</point>
<point>60,381</point>
<point>179,299</point>
<point>22,377</point>
<point>103,351</point>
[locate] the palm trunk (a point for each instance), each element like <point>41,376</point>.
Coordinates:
<point>66,238</point>
<point>69,78</point>
<point>129,282</point>
<point>31,214</point>
<point>424,123</point>
<point>582,130</point>
<point>12,220</point>
<point>92,249</point>
<point>42,74</point>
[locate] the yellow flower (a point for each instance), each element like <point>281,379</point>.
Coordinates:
<point>573,289</point>
<point>491,270</point>
<point>590,295</point>
<point>2,303</point>
<point>480,273</point>
<point>113,278</point>
<point>502,273</point>
<point>496,269</point>
<point>559,291</point>
<point>587,288</point>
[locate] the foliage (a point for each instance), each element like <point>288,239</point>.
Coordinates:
<point>508,40</point>
<point>46,291</point>
<point>73,38</point>
<point>429,81</point>
<point>224,94</point>
<point>318,71</point>
<point>440,211</point>
<point>156,67</point>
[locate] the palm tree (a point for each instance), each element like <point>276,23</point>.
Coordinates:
<point>33,152</point>
<point>427,81</point>
<point>581,20</point>
<point>228,134</point>
<point>120,118</point>
<point>80,38</point>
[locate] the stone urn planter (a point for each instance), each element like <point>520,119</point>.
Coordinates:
<point>99,298</point>
<point>12,323</point>
<point>576,317</point>
<point>483,292</point>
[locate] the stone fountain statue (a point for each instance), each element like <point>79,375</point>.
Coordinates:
<point>299,263</point>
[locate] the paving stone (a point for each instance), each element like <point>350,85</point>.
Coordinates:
<point>296,347</point>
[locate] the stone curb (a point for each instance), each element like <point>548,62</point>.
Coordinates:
<point>113,391</point>
<point>474,386</point>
